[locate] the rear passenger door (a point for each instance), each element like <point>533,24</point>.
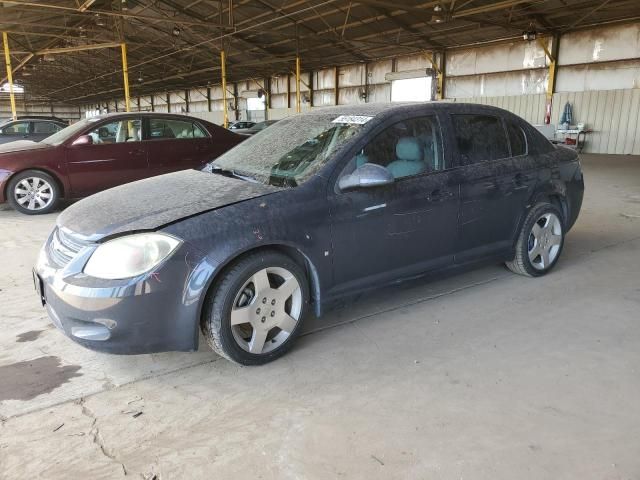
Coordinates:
<point>176,144</point>
<point>526,168</point>
<point>493,191</point>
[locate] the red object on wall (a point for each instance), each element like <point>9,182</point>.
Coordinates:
<point>547,113</point>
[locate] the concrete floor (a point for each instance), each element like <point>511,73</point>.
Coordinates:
<point>485,375</point>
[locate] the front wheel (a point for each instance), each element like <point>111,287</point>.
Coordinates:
<point>33,192</point>
<point>255,310</point>
<point>540,241</point>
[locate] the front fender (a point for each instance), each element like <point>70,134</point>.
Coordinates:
<point>292,222</point>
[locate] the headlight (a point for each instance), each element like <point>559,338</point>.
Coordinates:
<point>130,256</point>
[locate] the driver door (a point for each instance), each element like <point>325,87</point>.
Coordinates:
<point>116,156</point>
<point>407,227</point>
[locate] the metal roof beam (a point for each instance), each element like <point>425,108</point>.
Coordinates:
<point>112,13</point>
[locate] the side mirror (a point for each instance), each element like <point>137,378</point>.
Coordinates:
<point>367,175</point>
<point>83,140</point>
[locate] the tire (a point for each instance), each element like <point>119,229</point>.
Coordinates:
<point>250,317</point>
<point>540,241</point>
<point>33,192</point>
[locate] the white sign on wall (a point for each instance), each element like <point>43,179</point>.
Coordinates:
<point>411,90</point>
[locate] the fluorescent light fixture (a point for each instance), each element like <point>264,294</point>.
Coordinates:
<point>86,5</point>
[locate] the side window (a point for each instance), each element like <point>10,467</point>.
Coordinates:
<point>45,127</point>
<point>537,143</point>
<point>16,128</point>
<point>517,139</point>
<point>162,128</point>
<point>117,132</point>
<point>198,131</point>
<point>479,138</point>
<point>406,148</point>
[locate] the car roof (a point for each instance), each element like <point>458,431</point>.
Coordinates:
<point>39,117</point>
<point>375,109</point>
<point>143,114</point>
<point>22,118</point>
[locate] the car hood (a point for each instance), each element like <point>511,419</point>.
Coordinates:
<point>22,146</point>
<point>154,202</point>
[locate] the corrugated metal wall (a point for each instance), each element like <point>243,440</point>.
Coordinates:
<point>614,115</point>
<point>530,107</point>
<point>70,113</point>
<point>598,73</point>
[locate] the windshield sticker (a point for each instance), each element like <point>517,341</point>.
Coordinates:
<point>352,119</point>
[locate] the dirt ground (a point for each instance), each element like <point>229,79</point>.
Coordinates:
<point>483,375</point>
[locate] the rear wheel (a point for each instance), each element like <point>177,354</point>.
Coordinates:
<point>33,192</point>
<point>540,241</point>
<point>255,311</point>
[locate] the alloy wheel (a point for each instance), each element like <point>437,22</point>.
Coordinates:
<point>33,193</point>
<point>544,241</point>
<point>266,310</point>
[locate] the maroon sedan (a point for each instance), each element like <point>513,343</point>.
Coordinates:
<point>104,151</point>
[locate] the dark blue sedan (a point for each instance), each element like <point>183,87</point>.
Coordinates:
<point>316,207</point>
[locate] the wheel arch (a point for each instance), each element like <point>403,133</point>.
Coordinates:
<point>52,174</point>
<point>553,196</point>
<point>290,251</point>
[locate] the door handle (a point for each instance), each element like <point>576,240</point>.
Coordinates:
<point>489,185</point>
<point>138,151</point>
<point>374,207</point>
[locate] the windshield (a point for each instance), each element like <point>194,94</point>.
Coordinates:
<point>289,152</point>
<point>64,134</point>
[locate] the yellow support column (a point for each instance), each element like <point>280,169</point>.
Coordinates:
<point>7,58</point>
<point>552,79</point>
<point>298,105</point>
<point>551,83</point>
<point>223,65</point>
<point>125,73</point>
<point>552,68</point>
<point>439,69</point>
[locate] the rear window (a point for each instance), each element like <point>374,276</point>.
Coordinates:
<point>162,128</point>
<point>537,143</point>
<point>517,139</point>
<point>45,127</point>
<point>479,138</point>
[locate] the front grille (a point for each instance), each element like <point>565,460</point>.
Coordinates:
<point>63,247</point>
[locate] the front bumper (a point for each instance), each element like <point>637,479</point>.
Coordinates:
<point>154,312</point>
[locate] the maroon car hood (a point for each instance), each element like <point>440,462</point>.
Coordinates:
<point>22,145</point>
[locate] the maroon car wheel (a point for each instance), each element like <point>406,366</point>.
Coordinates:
<point>33,192</point>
